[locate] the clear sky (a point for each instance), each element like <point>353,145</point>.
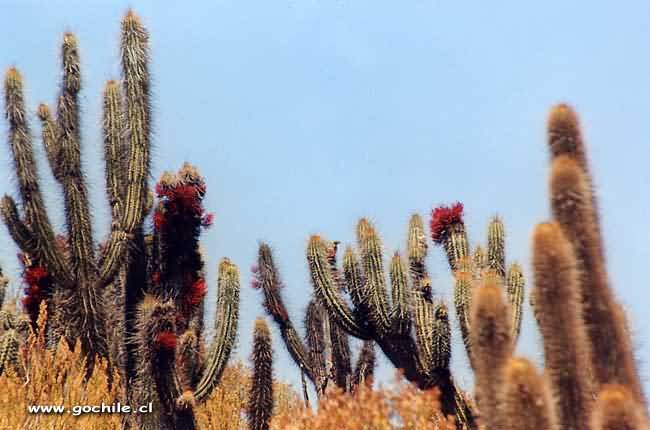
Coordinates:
<point>305,115</point>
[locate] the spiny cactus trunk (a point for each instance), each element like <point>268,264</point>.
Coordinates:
<point>260,398</point>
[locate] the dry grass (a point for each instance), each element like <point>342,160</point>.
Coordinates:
<point>56,377</point>
<point>404,407</point>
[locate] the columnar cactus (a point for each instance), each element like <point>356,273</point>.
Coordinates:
<point>325,353</point>
<point>79,274</point>
<point>590,379</point>
<point>413,331</point>
<point>260,399</point>
<point>448,230</point>
<point>136,299</point>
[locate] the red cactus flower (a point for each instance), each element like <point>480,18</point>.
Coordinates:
<point>166,340</point>
<point>207,219</point>
<point>197,292</point>
<point>443,218</point>
<point>33,275</point>
<point>255,284</point>
<point>155,278</point>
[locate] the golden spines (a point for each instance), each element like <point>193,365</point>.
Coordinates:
<point>525,402</point>
<point>496,247</point>
<point>558,310</point>
<point>572,204</point>
<point>227,318</point>
<point>515,284</point>
<point>114,148</point>
<point>400,313</point>
<point>492,346</point>
<point>372,259</point>
<point>328,292</point>
<point>617,408</point>
<point>50,138</point>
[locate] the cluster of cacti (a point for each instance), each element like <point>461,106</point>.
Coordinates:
<point>135,303</point>
<point>325,354</point>
<point>414,329</point>
<point>590,379</point>
<point>136,299</point>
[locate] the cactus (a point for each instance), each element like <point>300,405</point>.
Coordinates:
<point>260,399</point>
<point>525,402</point>
<point>493,346</point>
<point>590,369</point>
<point>136,299</point>
<point>448,229</point>
<point>413,331</point>
<point>565,346</point>
<point>616,408</point>
<point>325,353</point>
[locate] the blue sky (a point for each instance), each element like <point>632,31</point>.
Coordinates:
<point>306,115</point>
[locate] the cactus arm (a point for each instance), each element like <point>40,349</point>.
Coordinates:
<point>515,284</point>
<point>463,280</point>
<point>354,280</point>
<point>316,367</point>
<point>260,399</point>
<point>18,231</point>
<point>400,313</point>
<point>432,333</point>
<point>49,136</point>
<point>137,116</point>
<point>328,292</point>
<point>573,208</point>
<point>566,348</point>
<point>69,167</point>
<point>268,279</point>
<point>114,155</point>
<point>526,403</point>
<point>479,261</point>
<point>35,214</point>
<point>226,329</point>
<point>491,346</point>
<point>496,247</point>
<point>369,243</point>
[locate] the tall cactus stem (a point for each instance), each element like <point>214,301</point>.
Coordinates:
<point>492,346</point>
<point>566,349</point>
<point>260,399</point>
